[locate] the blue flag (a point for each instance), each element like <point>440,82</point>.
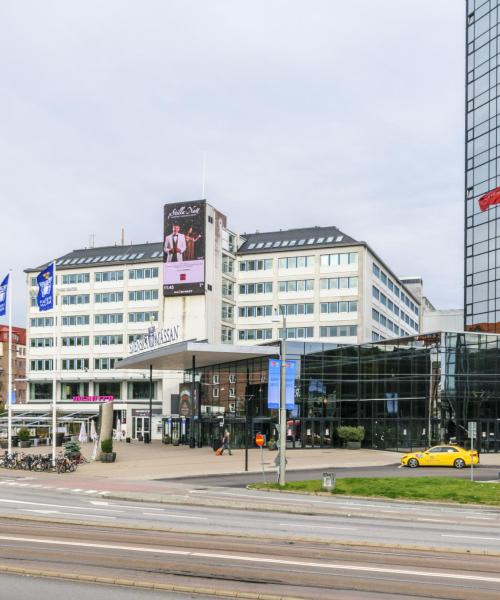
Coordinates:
<point>3,296</point>
<point>45,280</point>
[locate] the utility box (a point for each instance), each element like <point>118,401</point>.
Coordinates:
<point>328,481</point>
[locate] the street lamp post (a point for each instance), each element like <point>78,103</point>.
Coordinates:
<point>282,413</point>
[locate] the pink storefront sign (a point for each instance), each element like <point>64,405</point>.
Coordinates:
<point>93,398</point>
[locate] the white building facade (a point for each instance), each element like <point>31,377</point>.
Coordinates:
<point>327,286</point>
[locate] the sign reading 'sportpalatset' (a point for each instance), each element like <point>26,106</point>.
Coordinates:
<point>155,338</point>
<point>184,249</point>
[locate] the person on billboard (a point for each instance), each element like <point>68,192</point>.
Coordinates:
<point>175,245</point>
<point>191,239</point>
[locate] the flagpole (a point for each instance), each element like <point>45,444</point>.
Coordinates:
<point>54,382</point>
<point>9,377</point>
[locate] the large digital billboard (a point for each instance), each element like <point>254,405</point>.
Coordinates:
<point>184,249</point>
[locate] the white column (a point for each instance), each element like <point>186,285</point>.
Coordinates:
<point>9,377</point>
<point>54,375</point>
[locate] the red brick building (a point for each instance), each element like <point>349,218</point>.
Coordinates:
<point>18,363</point>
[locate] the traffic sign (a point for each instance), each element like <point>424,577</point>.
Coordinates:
<point>259,440</point>
<point>472,429</point>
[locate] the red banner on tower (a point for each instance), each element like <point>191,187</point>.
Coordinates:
<point>489,199</point>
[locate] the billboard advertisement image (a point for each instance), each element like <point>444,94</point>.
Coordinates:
<point>184,249</point>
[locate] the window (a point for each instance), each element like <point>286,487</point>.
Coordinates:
<point>44,342</point>
<point>297,309</point>
<point>226,335</point>
<point>256,265</point>
<point>75,320</point>
<point>42,322</point>
<point>255,334</point>
<point>215,379</point>
<point>108,340</point>
<point>139,390</point>
<point>147,273</point>
<point>296,262</point>
<point>75,364</point>
<point>263,310</point>
<point>143,317</point>
<point>299,285</point>
<point>41,365</point>
<point>108,319</point>
<point>293,333</point>
<point>339,331</point>
<point>75,299</point>
<point>339,307</point>
<point>227,312</point>
<point>73,278</point>
<point>104,363</point>
<point>143,295</point>
<point>256,288</point>
<point>106,297</point>
<point>109,276</point>
<point>339,283</point>
<point>334,260</point>
<point>375,293</point>
<point>78,340</point>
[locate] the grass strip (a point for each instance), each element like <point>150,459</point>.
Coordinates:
<point>444,489</point>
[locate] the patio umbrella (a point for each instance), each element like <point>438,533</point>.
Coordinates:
<point>83,438</point>
<point>93,432</point>
<point>119,430</point>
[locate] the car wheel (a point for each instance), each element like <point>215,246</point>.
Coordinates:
<point>459,463</point>
<point>413,463</point>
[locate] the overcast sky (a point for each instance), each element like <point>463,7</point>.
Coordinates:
<point>334,112</point>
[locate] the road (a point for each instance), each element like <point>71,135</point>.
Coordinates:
<point>355,549</point>
<point>481,473</point>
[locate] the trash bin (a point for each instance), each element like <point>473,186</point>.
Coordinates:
<point>192,443</point>
<point>215,444</point>
<point>146,438</point>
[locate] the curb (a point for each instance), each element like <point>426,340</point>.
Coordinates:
<point>257,538</point>
<point>166,587</point>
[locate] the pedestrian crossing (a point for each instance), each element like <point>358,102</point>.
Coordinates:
<point>39,486</point>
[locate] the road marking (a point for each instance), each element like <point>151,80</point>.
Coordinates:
<point>175,516</point>
<point>103,503</point>
<point>294,525</point>
<point>63,514</point>
<point>55,505</point>
<point>471,537</point>
<point>255,559</point>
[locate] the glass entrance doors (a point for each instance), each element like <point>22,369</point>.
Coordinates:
<point>317,433</point>
<point>489,436</point>
<point>140,426</point>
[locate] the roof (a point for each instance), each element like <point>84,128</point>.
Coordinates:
<point>292,239</point>
<point>179,356</point>
<point>107,255</point>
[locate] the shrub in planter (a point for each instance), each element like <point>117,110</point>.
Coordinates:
<point>107,454</point>
<point>23,435</point>
<point>72,449</point>
<point>351,436</point>
<point>167,439</point>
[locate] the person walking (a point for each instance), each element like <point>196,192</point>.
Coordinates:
<point>226,439</point>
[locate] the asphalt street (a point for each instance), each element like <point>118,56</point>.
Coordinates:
<point>481,473</point>
<point>358,549</point>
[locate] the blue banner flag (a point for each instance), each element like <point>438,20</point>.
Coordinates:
<point>45,280</point>
<point>274,384</point>
<point>3,296</point>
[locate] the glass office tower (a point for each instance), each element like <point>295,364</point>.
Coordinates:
<point>482,224</point>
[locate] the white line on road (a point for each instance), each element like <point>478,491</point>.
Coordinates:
<point>55,505</point>
<point>64,514</point>
<point>102,503</point>
<point>294,525</point>
<point>175,516</point>
<point>471,537</point>
<point>255,559</point>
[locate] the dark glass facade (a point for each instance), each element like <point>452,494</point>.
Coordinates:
<point>407,393</point>
<point>482,157</point>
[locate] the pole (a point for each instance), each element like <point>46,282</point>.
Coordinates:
<point>150,404</point>
<point>247,413</point>
<point>9,378</point>
<point>54,378</point>
<point>282,477</point>
<point>471,459</point>
<point>192,443</point>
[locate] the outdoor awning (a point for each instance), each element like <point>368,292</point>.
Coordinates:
<point>179,356</point>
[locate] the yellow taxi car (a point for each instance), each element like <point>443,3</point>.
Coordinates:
<point>441,456</point>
